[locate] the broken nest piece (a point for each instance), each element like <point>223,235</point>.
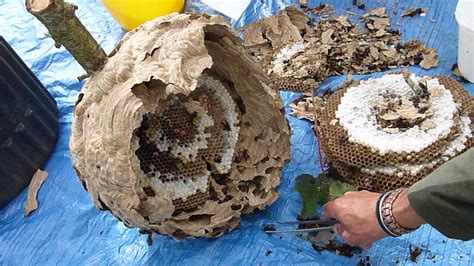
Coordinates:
<point>299,56</point>
<point>178,133</point>
<point>392,131</point>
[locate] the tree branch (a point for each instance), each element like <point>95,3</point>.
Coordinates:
<point>66,29</point>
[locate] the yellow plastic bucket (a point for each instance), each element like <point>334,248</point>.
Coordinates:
<point>132,13</point>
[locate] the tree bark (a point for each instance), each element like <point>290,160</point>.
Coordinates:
<point>66,29</point>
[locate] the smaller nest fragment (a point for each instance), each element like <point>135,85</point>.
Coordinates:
<point>298,56</point>
<point>393,131</point>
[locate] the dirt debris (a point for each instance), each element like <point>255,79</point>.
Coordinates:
<point>269,229</point>
<point>298,56</point>
<point>414,253</point>
<point>413,12</point>
<point>339,248</point>
<point>358,4</point>
<point>431,256</point>
<point>364,261</point>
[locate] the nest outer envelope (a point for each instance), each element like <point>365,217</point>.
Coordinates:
<point>348,158</point>
<point>163,57</point>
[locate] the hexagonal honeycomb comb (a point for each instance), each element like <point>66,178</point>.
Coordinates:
<point>368,167</point>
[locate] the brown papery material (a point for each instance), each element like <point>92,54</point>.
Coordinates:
<point>31,202</point>
<point>179,132</point>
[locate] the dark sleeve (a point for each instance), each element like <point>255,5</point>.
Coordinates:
<point>445,198</point>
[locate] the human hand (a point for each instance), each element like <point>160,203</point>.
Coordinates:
<point>355,212</point>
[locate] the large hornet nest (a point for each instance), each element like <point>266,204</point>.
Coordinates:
<point>392,131</point>
<point>176,132</point>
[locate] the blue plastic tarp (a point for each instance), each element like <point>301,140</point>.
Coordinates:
<point>68,229</point>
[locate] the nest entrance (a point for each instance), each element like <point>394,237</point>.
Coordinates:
<point>189,142</point>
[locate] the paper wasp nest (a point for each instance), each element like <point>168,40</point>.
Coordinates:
<point>179,134</point>
<point>392,131</point>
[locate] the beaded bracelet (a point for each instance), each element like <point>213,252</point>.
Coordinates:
<point>384,213</point>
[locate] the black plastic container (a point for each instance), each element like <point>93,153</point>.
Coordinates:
<point>28,124</point>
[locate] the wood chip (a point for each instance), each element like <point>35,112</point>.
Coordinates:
<point>36,181</point>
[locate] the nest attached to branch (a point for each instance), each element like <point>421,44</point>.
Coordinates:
<point>392,131</point>
<point>178,133</point>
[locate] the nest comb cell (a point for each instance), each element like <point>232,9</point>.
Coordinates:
<point>176,132</point>
<point>390,132</point>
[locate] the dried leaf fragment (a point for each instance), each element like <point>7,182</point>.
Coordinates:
<point>37,180</point>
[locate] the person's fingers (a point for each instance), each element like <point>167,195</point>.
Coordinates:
<point>328,211</point>
<point>348,238</point>
<point>339,229</point>
<point>366,245</point>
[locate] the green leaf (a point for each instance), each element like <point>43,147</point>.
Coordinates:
<point>319,190</point>
<point>312,191</point>
<point>339,188</point>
